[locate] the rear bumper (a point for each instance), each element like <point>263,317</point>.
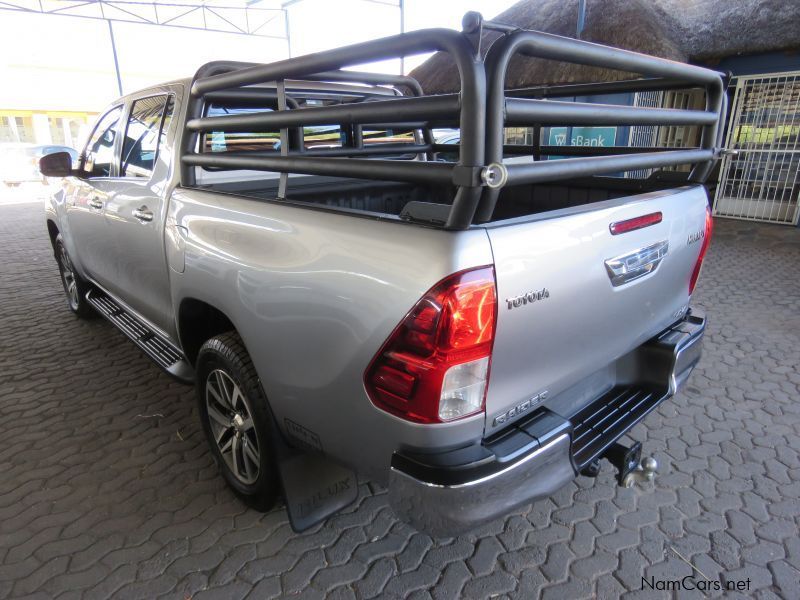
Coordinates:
<point>448,493</point>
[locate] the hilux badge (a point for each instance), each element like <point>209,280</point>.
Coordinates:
<point>695,237</point>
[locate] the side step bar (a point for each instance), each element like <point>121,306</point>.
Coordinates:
<point>160,351</point>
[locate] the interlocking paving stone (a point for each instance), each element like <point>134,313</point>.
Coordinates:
<point>107,489</point>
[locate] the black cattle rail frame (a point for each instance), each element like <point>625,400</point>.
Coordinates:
<point>481,111</point>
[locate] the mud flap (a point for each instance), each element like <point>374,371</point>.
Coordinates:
<point>314,487</point>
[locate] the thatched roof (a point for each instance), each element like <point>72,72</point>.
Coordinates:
<point>684,30</point>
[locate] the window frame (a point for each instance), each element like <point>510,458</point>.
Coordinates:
<point>128,111</point>
<point>114,171</point>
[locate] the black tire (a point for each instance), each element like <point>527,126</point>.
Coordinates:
<point>75,288</point>
<point>233,444</point>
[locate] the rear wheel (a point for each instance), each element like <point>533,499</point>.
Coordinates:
<point>75,287</point>
<point>235,418</point>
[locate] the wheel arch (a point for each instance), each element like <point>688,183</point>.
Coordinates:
<point>52,230</point>
<point>199,321</point>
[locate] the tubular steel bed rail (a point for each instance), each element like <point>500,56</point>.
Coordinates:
<point>482,109</point>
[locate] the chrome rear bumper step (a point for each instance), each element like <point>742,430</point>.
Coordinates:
<point>158,349</point>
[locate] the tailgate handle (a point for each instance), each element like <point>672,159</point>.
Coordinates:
<point>629,267</point>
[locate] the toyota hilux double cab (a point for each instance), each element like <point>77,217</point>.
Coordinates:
<point>470,324</point>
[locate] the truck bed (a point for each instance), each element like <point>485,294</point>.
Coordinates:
<point>391,198</point>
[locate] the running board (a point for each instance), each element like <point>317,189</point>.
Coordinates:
<point>160,351</point>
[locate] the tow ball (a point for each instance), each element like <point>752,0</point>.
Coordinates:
<point>631,467</point>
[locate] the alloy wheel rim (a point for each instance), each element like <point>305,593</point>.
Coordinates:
<point>232,426</point>
<point>68,277</point>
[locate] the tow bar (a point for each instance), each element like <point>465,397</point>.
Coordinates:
<point>631,467</point>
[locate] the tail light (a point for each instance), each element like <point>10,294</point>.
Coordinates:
<point>434,367</point>
<point>706,241</point>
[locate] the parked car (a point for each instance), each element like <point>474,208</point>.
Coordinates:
<point>471,334</point>
<point>447,137</point>
<point>19,163</point>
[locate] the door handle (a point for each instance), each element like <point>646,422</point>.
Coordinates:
<point>95,202</point>
<point>143,214</point>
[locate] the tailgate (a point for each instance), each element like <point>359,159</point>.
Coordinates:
<point>560,318</point>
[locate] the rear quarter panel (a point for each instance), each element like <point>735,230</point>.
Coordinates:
<point>314,294</point>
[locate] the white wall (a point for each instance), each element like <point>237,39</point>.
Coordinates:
<point>317,25</point>
<point>52,62</point>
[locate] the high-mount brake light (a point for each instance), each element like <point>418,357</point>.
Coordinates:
<point>635,223</point>
<point>434,367</point>
<point>709,229</point>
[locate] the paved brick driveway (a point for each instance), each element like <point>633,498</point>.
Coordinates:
<point>106,487</point>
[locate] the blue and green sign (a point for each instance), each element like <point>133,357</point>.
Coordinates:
<point>582,136</point>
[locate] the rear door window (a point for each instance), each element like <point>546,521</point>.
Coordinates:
<point>144,135</point>
<point>240,141</point>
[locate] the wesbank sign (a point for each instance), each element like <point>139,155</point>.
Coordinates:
<point>582,136</point>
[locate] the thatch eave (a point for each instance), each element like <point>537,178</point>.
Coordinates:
<point>699,31</point>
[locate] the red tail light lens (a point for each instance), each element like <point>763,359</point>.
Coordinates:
<point>435,366</point>
<point>706,241</point>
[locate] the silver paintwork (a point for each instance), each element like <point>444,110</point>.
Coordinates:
<point>686,358</point>
<point>315,292</point>
<point>587,323</point>
<point>448,510</point>
<point>314,295</point>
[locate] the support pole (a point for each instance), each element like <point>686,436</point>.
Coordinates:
<point>114,53</point>
<point>581,18</point>
<point>402,5</point>
<point>284,177</point>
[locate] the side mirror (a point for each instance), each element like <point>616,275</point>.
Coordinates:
<point>58,164</point>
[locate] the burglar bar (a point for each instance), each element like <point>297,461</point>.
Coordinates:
<point>645,84</point>
<point>468,109</point>
<point>518,150</point>
<point>380,149</point>
<point>428,40</point>
<point>551,170</point>
<point>368,150</point>
<point>534,112</point>
<point>428,107</point>
<point>481,115</point>
<point>523,111</point>
<point>434,173</point>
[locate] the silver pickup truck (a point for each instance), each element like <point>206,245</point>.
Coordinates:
<point>471,325</point>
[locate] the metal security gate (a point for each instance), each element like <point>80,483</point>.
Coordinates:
<point>760,182</point>
<point>670,136</point>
